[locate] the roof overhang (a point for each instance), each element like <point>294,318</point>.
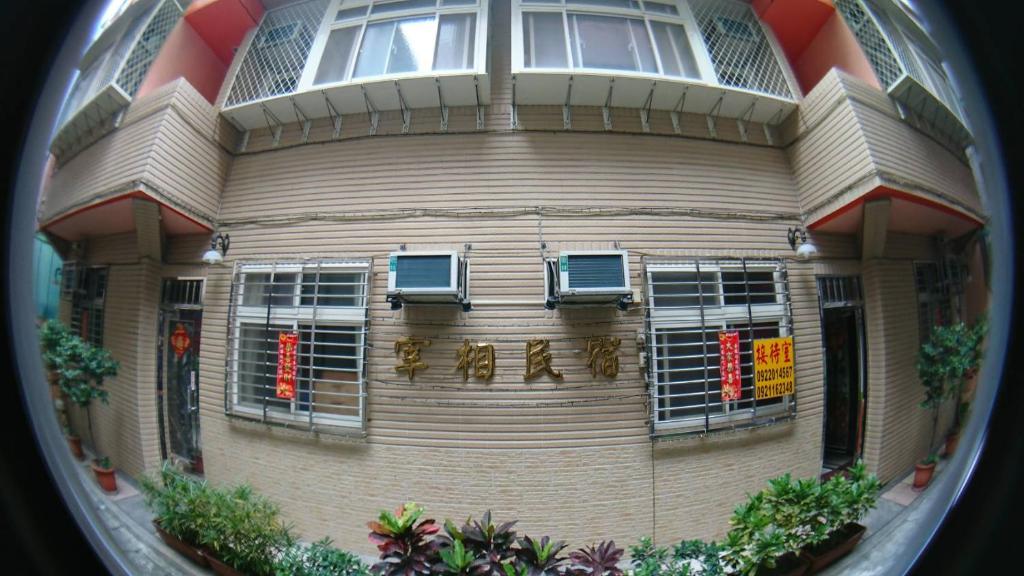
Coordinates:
<point>115,216</point>
<point>909,213</point>
<point>620,90</point>
<point>433,91</point>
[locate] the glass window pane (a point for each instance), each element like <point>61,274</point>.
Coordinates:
<point>455,42</point>
<point>457,2</point>
<point>374,52</point>
<point>609,42</point>
<point>661,8</point>
<point>681,372</point>
<point>334,289</point>
<point>761,284</point>
<point>747,336</point>
<point>681,290</point>
<point>543,40</point>
<point>337,55</point>
<point>332,371</point>
<point>351,13</point>
<point>403,5</point>
<point>257,366</point>
<point>674,49</point>
<point>610,3</point>
<point>255,288</point>
<point>412,49</point>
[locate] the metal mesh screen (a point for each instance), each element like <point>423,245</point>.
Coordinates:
<point>871,39</point>
<point>689,303</point>
<point>324,306</point>
<point>739,49</point>
<point>147,47</point>
<point>274,61</point>
<point>838,291</point>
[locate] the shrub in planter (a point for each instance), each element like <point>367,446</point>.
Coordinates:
<point>540,557</point>
<point>700,558</point>
<point>319,559</point>
<point>755,544</point>
<point>181,508</point>
<point>490,543</point>
<point>243,532</point>
<point>406,548</point>
<point>843,501</point>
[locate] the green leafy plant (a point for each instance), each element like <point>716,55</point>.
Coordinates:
<point>513,569</point>
<point>600,560</point>
<point>949,358</point>
<point>490,543</point>
<point>52,335</point>
<point>540,557</point>
<point>245,531</point>
<point>647,559</point>
<point>406,548</point>
<point>103,462</point>
<point>455,559</point>
<point>699,558</point>
<point>318,559</point>
<point>180,504</point>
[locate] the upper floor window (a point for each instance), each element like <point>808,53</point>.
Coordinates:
<point>87,300</point>
<point>933,302</point>
<point>689,303</point>
<point>322,307</point>
<point>626,35</point>
<point>320,44</point>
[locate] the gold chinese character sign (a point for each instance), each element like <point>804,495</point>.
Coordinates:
<point>409,349</point>
<point>603,355</point>
<point>538,360</point>
<point>478,357</point>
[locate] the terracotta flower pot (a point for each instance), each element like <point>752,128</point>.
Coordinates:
<point>105,476</point>
<point>76,447</point>
<point>187,550</point>
<point>197,465</point>
<point>839,544</point>
<point>951,443</point>
<point>219,567</point>
<point>923,475</point>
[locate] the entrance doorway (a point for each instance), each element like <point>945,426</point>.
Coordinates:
<point>845,379</point>
<point>178,385</point>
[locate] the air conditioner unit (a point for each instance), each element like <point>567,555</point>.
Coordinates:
<point>428,278</point>
<point>589,277</point>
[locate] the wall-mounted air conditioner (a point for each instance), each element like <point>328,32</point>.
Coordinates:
<point>588,277</point>
<point>428,278</point>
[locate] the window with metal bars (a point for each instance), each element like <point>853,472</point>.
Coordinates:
<point>324,304</point>
<point>688,303</point>
<point>933,303</point>
<point>182,292</point>
<point>87,304</point>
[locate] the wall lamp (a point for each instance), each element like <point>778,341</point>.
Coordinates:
<point>215,255</point>
<point>807,248</point>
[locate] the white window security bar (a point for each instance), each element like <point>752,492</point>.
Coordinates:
<point>324,302</point>
<point>688,302</point>
<point>87,303</point>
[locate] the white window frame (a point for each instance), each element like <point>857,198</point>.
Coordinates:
<point>684,19</point>
<point>716,317</point>
<point>306,81</point>
<point>293,317</point>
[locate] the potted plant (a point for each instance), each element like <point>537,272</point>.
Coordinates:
<point>75,443</point>
<point>81,379</point>
<point>948,360</point>
<point>758,544</point>
<point>181,509</point>
<point>244,534</point>
<point>842,501</point>
<point>319,559</point>
<point>53,339</point>
<point>407,548</point>
<point>104,474</point>
<point>924,470</point>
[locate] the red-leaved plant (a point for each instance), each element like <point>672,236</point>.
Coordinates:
<point>600,560</point>
<point>406,548</point>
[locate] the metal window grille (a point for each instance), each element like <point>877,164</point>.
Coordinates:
<point>277,56</point>
<point>688,303</point>
<point>880,53</point>
<point>325,303</point>
<point>839,291</point>
<point>87,304</point>
<point>181,292</point>
<point>739,49</point>
<point>148,45</point>
<point>933,302</point>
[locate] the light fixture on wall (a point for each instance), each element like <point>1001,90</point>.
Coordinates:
<point>807,248</point>
<point>215,255</point>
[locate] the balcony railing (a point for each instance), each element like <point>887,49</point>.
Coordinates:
<point>908,66</point>
<point>325,58</point>
<point>708,57</point>
<point>113,69</point>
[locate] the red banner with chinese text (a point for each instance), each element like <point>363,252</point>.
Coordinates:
<point>729,364</point>
<point>287,342</point>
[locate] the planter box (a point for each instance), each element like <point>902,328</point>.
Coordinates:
<point>219,567</point>
<point>181,547</point>
<point>838,545</point>
<point>788,564</point>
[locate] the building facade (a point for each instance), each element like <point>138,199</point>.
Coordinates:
<point>514,255</point>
